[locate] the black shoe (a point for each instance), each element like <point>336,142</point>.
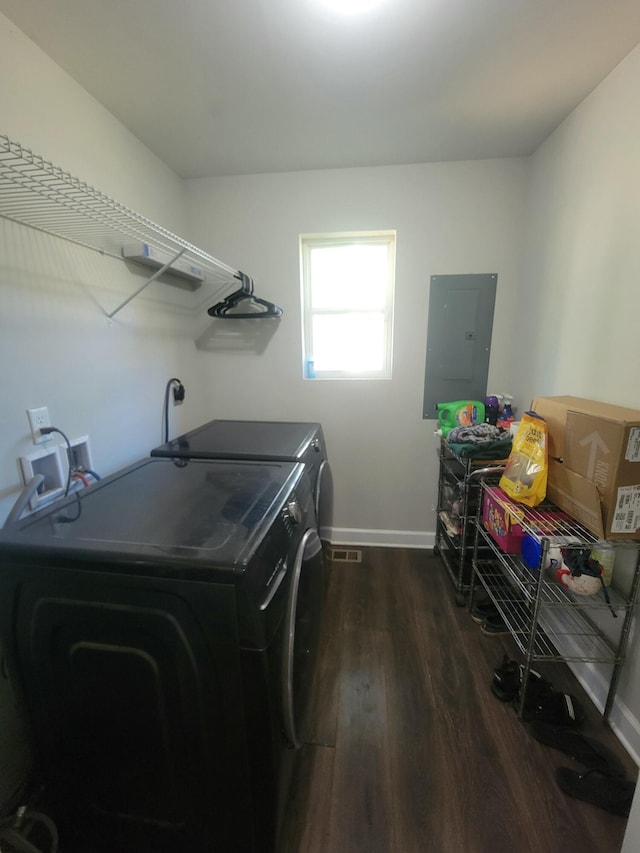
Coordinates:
<point>546,705</point>
<point>609,793</point>
<point>507,680</point>
<point>493,626</point>
<point>588,751</point>
<point>483,610</point>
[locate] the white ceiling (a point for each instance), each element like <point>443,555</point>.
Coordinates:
<point>217,87</point>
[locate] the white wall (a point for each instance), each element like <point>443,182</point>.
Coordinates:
<point>450,218</point>
<point>578,322</point>
<point>56,346</point>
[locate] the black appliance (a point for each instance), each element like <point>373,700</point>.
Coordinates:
<point>274,440</point>
<point>160,631</point>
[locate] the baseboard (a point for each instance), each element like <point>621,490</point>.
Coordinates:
<point>379,538</point>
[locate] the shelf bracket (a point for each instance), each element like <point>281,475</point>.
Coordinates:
<point>156,275</point>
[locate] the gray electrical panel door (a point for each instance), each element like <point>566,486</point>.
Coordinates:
<point>458,339</point>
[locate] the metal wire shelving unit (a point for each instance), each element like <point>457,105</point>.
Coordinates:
<point>41,195</point>
<point>454,535</point>
<point>546,620</point>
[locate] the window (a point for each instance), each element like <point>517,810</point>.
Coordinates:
<point>347,304</point>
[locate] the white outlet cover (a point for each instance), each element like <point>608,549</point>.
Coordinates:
<point>39,418</point>
<point>82,451</point>
<point>46,462</point>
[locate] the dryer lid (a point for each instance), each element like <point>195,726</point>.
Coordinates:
<point>243,440</point>
<point>187,518</point>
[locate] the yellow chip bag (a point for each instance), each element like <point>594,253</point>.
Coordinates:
<point>525,474</point>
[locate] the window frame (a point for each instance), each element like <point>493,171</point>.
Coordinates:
<point>331,240</point>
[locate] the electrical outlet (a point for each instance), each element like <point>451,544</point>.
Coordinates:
<point>39,418</point>
<point>80,456</point>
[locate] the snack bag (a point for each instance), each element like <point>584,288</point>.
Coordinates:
<point>525,475</point>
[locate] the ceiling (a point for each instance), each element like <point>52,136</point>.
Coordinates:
<point>222,87</point>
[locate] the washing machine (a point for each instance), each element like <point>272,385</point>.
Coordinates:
<point>159,630</point>
<point>274,440</point>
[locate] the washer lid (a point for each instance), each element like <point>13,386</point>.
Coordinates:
<point>186,518</point>
<point>243,440</point>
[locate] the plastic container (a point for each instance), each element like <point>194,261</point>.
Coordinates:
<point>531,550</point>
<point>460,413</point>
<point>491,409</point>
<point>581,584</point>
<point>506,416</point>
<point>507,411</point>
<point>605,554</point>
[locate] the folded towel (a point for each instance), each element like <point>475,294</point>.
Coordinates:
<point>475,434</point>
<point>489,451</point>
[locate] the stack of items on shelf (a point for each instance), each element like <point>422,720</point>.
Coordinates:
<point>553,719</point>
<point>476,441</point>
<point>585,457</point>
<point>479,441</point>
<point>477,429</point>
<point>473,448</point>
<point>499,410</point>
<point>470,453</point>
<point>520,530</point>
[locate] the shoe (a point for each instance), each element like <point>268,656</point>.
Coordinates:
<point>607,792</point>
<point>546,705</point>
<point>507,679</point>
<point>590,752</point>
<point>493,626</point>
<point>482,610</point>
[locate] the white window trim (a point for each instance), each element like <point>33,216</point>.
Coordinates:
<point>312,241</point>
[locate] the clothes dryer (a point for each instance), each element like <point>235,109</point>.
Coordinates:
<point>160,630</point>
<point>274,440</point>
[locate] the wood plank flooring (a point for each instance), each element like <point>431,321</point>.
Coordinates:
<point>410,752</point>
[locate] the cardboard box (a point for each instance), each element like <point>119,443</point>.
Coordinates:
<point>599,445</point>
<point>577,496</point>
<point>501,520</point>
<point>507,521</point>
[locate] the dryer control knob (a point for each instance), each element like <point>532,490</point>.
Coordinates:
<point>293,512</point>
<point>315,444</point>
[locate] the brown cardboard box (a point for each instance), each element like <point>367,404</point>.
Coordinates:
<point>575,495</point>
<point>599,443</point>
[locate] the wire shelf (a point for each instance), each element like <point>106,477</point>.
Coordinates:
<point>39,194</point>
<point>576,639</point>
<point>551,593</point>
<point>547,621</point>
<point>543,521</point>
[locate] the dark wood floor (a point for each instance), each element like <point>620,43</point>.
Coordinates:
<point>411,752</point>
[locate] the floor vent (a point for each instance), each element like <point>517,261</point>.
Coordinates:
<point>344,555</point>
